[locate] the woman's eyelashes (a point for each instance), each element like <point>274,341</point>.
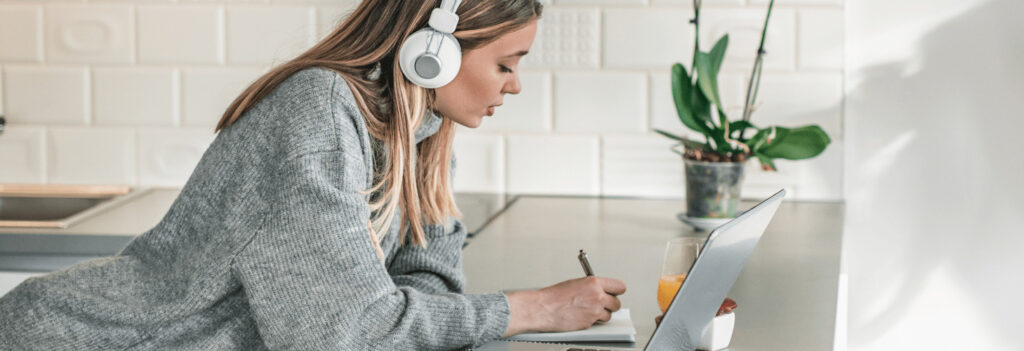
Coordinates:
<point>505,69</point>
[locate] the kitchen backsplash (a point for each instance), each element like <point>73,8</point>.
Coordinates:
<point>128,92</point>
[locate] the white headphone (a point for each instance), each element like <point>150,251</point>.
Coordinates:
<point>432,56</point>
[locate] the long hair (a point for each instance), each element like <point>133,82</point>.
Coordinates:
<point>363,49</point>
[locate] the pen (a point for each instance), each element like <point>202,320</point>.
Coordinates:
<point>585,263</point>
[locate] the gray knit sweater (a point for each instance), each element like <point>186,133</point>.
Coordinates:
<point>267,247</point>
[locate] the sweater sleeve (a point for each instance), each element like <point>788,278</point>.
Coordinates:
<point>314,281</point>
<point>437,268</point>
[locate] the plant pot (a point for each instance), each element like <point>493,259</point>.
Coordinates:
<point>713,188</point>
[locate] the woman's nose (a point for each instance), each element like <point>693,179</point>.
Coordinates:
<point>514,86</point>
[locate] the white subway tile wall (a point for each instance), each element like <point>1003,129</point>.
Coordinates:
<point>90,33</point>
<point>480,160</point>
<point>208,91</point>
<point>744,29</point>
<point>167,156</point>
<point>803,2</point>
<point>268,34</point>
<point>664,38</point>
<point>164,39</point>
<point>23,155</point>
<point>801,98</point>
<point>46,94</point>
<point>135,96</point>
<point>328,18</point>
<point>640,165</point>
<point>818,31</point>
<point>128,91</point>
<point>21,33</point>
<point>567,38</point>
<point>96,155</point>
<point>1,91</point>
<point>601,102</point>
<point>553,164</point>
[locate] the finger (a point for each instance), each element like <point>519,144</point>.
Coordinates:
<point>729,303</point>
<point>727,306</point>
<point>613,286</point>
<point>605,316</point>
<point>611,303</point>
<point>726,310</point>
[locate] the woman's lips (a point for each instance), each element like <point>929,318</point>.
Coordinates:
<point>490,111</point>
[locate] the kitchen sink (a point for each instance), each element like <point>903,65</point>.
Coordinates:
<point>55,206</point>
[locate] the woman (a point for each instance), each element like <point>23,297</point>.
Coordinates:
<point>321,217</point>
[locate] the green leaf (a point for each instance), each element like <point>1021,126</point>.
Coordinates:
<point>737,126</point>
<point>708,66</point>
<point>682,90</point>
<point>706,80</point>
<point>669,135</point>
<point>757,141</point>
<point>765,160</point>
<point>721,145</point>
<point>723,118</point>
<point>796,144</point>
<point>718,53</point>
<point>696,145</point>
<point>701,106</point>
<point>690,144</point>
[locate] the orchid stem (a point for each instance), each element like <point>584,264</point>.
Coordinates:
<point>755,75</point>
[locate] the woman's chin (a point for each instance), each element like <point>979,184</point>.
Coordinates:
<point>471,122</point>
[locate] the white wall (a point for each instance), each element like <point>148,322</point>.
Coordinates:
<point>128,92</point>
<point>933,174</point>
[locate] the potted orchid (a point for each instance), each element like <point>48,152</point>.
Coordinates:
<point>714,165</point>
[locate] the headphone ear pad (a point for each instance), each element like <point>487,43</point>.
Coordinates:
<point>427,69</point>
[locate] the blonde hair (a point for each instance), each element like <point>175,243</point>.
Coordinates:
<point>363,50</point>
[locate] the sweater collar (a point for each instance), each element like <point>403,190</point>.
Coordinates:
<point>430,125</point>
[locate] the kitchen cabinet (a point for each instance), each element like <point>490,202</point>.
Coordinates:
<point>9,280</point>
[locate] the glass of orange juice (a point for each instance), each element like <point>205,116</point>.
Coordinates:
<point>679,256</point>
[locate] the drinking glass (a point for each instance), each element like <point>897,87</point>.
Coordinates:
<point>680,253</point>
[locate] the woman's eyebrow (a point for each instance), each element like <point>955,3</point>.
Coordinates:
<point>520,53</point>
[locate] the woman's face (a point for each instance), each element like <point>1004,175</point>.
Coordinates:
<point>487,74</point>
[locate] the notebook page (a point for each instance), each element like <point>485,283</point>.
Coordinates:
<point>618,329</point>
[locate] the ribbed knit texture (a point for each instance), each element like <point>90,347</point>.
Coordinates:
<point>267,247</point>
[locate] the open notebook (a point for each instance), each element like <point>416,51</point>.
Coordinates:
<point>618,329</point>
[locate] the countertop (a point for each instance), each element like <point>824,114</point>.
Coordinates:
<point>103,234</point>
<point>787,291</point>
<point>128,218</point>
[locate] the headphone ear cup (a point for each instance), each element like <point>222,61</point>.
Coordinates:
<point>427,69</point>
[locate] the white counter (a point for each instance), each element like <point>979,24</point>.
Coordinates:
<point>786,293</point>
<point>106,232</point>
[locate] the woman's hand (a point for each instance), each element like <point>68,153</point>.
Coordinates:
<point>570,305</point>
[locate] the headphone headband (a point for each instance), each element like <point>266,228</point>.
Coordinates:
<point>432,57</point>
<point>443,21</point>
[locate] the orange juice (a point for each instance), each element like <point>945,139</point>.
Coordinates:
<point>668,285</point>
